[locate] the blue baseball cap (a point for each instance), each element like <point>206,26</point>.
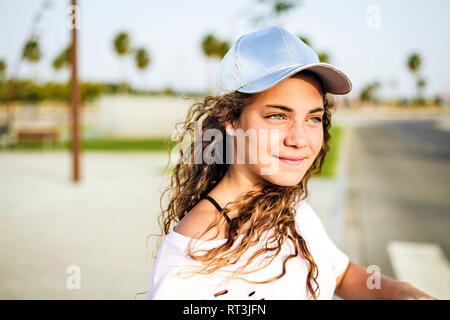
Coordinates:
<point>259,60</point>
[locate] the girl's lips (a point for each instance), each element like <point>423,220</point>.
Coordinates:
<point>291,162</point>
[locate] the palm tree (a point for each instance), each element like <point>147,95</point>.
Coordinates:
<point>275,9</point>
<point>414,63</point>
<point>32,52</point>
<point>368,94</point>
<point>222,49</point>
<point>2,69</point>
<point>305,40</point>
<point>421,83</point>
<point>280,6</point>
<point>122,45</point>
<point>63,60</point>
<point>323,56</point>
<point>214,49</point>
<point>141,58</point>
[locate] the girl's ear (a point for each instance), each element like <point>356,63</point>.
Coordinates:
<point>229,128</point>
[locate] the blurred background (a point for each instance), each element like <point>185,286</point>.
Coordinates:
<point>76,224</point>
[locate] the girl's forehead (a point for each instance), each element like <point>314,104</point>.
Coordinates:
<point>305,87</point>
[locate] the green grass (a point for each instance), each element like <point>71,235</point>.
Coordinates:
<point>153,144</point>
<point>104,144</point>
<point>330,165</point>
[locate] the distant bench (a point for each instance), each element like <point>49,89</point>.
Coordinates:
<point>43,135</point>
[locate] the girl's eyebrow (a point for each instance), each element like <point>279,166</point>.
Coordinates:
<point>287,109</point>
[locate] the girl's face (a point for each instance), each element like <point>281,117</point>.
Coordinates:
<point>283,122</point>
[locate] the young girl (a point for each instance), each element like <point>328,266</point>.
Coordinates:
<point>243,229</point>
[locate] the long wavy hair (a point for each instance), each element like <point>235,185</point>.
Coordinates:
<point>270,208</point>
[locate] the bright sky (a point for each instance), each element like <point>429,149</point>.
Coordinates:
<point>172,31</point>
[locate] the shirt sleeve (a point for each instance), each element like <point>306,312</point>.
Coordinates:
<point>171,287</point>
<point>311,227</point>
<point>166,282</point>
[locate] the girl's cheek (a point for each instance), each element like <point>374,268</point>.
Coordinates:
<point>274,141</point>
<point>316,140</point>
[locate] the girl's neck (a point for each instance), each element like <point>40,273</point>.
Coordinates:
<point>234,185</point>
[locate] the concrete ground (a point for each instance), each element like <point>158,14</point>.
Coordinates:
<point>100,225</point>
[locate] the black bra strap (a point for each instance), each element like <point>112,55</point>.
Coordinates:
<point>217,206</point>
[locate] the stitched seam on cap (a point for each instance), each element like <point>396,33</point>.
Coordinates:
<point>238,58</point>
<point>286,43</point>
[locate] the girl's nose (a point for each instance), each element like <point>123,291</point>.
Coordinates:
<point>296,136</point>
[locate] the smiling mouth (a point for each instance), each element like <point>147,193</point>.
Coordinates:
<point>291,161</point>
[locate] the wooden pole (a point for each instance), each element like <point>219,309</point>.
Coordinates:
<point>75,97</point>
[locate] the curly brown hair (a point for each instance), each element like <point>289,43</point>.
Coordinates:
<point>268,208</point>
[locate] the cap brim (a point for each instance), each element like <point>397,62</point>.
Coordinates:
<point>334,80</point>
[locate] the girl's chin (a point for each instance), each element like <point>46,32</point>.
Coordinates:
<point>278,175</point>
<point>285,180</point>
<point>286,183</point>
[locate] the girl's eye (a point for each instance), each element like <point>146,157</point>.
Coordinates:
<point>319,119</point>
<point>273,115</point>
<point>279,116</point>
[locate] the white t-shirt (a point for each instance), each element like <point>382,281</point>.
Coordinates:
<point>172,258</point>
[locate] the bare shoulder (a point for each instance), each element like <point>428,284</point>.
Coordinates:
<point>198,220</point>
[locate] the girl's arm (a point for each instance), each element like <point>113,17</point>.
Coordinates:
<point>352,284</point>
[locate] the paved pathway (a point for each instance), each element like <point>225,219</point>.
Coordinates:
<point>397,209</point>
